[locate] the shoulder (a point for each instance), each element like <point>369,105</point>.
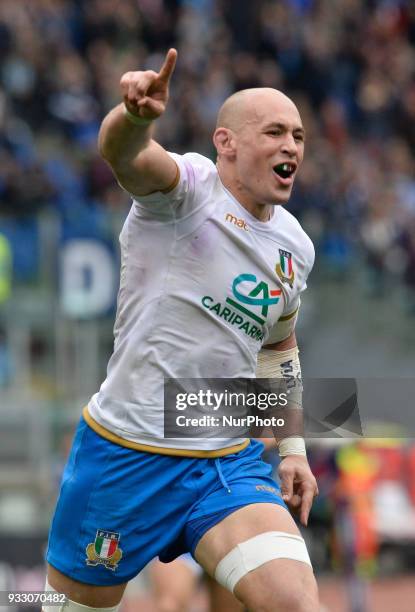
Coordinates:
<point>194,163</point>
<point>297,236</point>
<point>196,171</point>
<point>197,159</point>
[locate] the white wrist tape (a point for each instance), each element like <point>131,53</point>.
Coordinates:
<point>292,446</point>
<point>135,118</point>
<point>284,365</point>
<point>256,551</point>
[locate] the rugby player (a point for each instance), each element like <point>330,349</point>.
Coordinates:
<point>212,268</point>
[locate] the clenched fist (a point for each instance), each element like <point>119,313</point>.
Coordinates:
<point>146,92</point>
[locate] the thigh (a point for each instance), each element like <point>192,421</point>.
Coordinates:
<point>85,594</point>
<point>239,526</point>
<point>118,508</point>
<point>220,599</point>
<point>280,584</point>
<point>283,584</point>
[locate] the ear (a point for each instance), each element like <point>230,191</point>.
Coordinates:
<point>224,141</point>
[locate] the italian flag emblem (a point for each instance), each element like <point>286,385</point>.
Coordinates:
<point>106,544</point>
<point>104,550</point>
<point>284,268</point>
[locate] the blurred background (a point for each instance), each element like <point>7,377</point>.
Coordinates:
<point>350,67</point>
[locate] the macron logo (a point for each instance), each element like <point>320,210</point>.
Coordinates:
<point>241,223</point>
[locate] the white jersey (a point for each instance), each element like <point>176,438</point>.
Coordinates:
<point>203,285</point>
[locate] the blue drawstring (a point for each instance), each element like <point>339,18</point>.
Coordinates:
<point>220,474</point>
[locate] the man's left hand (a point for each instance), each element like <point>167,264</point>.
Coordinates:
<point>298,485</point>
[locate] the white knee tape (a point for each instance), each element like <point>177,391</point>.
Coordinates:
<point>71,606</point>
<point>256,551</point>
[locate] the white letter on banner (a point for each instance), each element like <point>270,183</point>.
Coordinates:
<point>88,278</point>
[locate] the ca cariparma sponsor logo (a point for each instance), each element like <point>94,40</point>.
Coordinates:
<point>104,550</point>
<point>248,308</point>
<point>284,268</point>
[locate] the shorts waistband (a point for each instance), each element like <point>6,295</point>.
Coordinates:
<point>161,450</point>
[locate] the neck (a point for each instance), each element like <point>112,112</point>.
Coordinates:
<point>262,212</point>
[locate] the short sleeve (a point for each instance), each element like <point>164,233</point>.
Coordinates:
<point>197,174</point>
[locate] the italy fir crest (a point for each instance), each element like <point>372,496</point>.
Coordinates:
<point>104,550</point>
<point>284,268</point>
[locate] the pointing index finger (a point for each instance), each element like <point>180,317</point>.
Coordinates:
<point>168,66</point>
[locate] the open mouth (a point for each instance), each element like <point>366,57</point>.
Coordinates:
<point>285,170</point>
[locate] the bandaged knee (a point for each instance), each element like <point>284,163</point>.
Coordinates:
<point>69,605</point>
<point>256,551</point>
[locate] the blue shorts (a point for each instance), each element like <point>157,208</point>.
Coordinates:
<point>119,508</point>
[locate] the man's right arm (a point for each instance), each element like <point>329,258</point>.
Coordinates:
<point>140,164</point>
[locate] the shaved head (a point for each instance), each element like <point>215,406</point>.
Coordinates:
<point>259,139</point>
<point>248,105</point>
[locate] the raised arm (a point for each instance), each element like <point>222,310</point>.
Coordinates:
<point>125,141</point>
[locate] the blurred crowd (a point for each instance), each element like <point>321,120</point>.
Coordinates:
<point>348,64</point>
